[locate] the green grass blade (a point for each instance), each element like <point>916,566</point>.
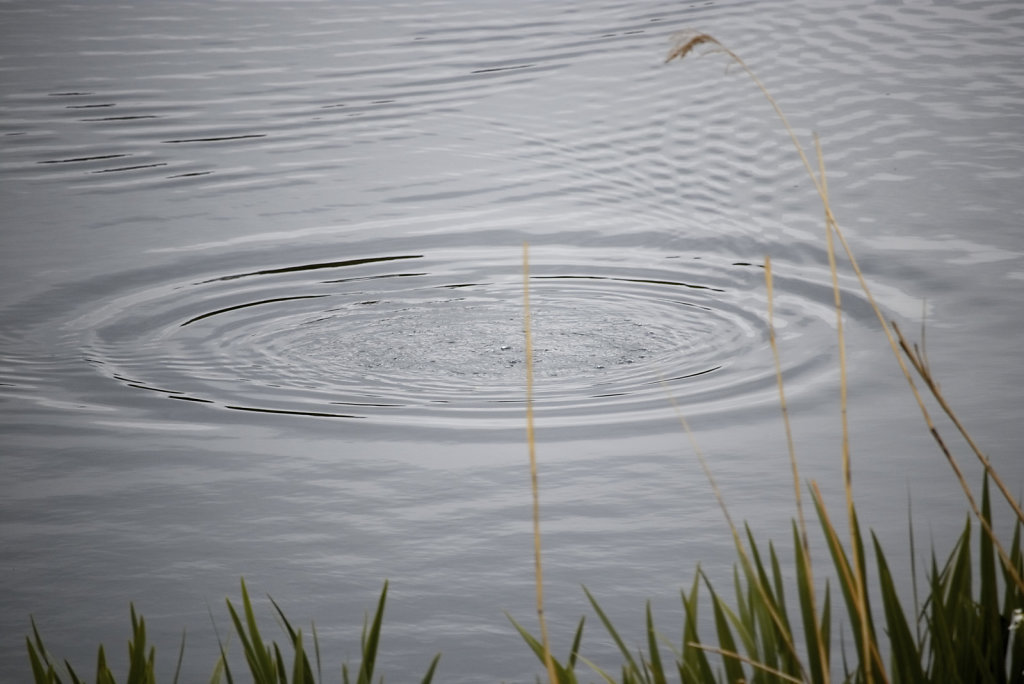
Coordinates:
<point>844,571</point>
<point>600,673</point>
<point>72,674</point>
<point>260,652</point>
<point>987,554</point>
<point>733,668</point>
<point>301,659</point>
<point>292,633</point>
<point>531,641</point>
<point>817,648</point>
<point>181,657</point>
<point>657,670</point>
<point>371,640</point>
<point>825,626</point>
<point>565,674</point>
<point>614,634</point>
<point>218,669</point>
<point>993,635</point>
<point>906,657</point>
<point>575,650</point>
<point>779,594</point>
<point>222,667</point>
<point>302,673</point>
<point>1012,600</point>
<point>40,674</point>
<point>941,640</point>
<point>429,677</point>
<point>141,664</point>
<point>316,650</point>
<point>43,671</point>
<point>693,662</point>
<point>279,671</point>
<point>764,607</point>
<point>246,646</point>
<point>103,673</point>
<point>257,655</point>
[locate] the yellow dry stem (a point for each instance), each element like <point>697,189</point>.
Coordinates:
<point>531,441</point>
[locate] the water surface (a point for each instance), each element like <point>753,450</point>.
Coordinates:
<point>262,313</point>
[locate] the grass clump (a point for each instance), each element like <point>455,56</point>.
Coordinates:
<point>267,662</point>
<point>140,660</point>
<point>964,629</point>
<point>956,634</point>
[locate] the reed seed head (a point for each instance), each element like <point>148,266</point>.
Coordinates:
<point>686,41</point>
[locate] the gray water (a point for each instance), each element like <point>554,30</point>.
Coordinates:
<point>261,304</point>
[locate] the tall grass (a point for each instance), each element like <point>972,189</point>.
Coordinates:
<point>534,485</point>
<point>961,630</point>
<point>266,662</point>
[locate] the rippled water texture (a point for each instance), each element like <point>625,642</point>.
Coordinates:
<point>262,301</point>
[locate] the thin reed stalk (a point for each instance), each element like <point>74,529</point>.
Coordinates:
<point>749,661</point>
<point>532,445</point>
<point>919,361</point>
<point>790,447</point>
<point>685,44</point>
<point>751,568</point>
<point>855,547</point>
<point>815,641</point>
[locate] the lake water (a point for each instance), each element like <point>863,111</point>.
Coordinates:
<point>261,304</point>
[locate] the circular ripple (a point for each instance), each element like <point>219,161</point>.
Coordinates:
<point>436,339</point>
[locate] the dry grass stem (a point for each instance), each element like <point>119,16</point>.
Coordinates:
<point>532,443</point>
<point>748,661</point>
<point>791,449</point>
<point>741,548</point>
<point>919,361</point>
<point>921,367</point>
<point>685,43</point>
<point>871,645</point>
<point>830,228</point>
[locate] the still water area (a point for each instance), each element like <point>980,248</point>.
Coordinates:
<point>261,306</point>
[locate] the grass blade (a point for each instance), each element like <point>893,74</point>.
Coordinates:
<point>733,670</point>
<point>257,655</point>
<point>371,640</point>
<point>693,661</point>
<point>657,671</point>
<point>181,658</point>
<point>906,654</point>
<point>612,632</point>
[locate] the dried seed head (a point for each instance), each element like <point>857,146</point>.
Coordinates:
<point>687,41</point>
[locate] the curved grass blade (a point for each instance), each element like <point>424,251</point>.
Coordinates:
<point>613,633</point>
<point>657,671</point>
<point>429,677</point>
<point>257,655</point>
<point>371,640</point>
<point>564,674</point>
<point>906,651</point>
<point>816,640</point>
<point>181,658</point>
<point>693,662</point>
